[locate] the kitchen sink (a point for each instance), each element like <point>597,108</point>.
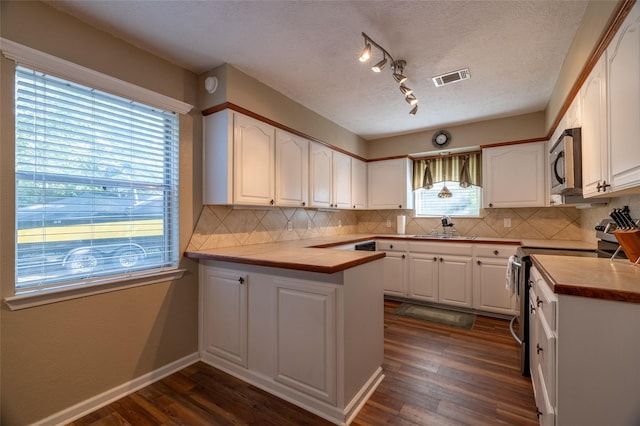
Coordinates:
<point>443,237</point>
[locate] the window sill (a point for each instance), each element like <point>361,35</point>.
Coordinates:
<point>37,297</point>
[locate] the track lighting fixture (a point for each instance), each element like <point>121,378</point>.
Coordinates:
<point>397,68</point>
<point>380,65</point>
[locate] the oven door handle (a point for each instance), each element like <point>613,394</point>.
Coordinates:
<point>513,333</point>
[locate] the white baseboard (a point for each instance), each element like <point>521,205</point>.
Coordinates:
<point>92,404</point>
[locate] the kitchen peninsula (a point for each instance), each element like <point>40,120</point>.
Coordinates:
<point>302,323</point>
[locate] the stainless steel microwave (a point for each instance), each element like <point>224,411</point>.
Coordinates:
<point>565,159</point>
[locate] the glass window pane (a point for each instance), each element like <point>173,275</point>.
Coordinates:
<point>96,184</point>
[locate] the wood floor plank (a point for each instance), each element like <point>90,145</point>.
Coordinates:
<point>436,375</point>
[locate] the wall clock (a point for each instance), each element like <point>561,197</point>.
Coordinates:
<point>441,138</point>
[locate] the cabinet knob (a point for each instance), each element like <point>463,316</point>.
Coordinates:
<point>479,262</point>
<point>400,206</point>
<point>241,280</point>
<point>304,203</point>
<point>354,206</point>
<point>435,259</point>
<point>490,204</point>
<point>538,412</point>
<point>539,348</point>
<point>496,252</point>
<point>272,202</point>
<point>441,260</point>
<point>538,301</point>
<point>403,256</point>
<point>390,246</point>
<point>532,310</point>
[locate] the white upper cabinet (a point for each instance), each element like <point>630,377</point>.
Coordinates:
<point>292,170</point>
<point>593,95</point>
<point>623,74</point>
<point>238,163</point>
<point>320,175</point>
<point>358,184</point>
<point>253,161</point>
<point>390,184</point>
<point>514,175</point>
<point>341,180</point>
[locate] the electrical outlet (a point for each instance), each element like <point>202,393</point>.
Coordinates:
<point>309,224</point>
<point>339,223</point>
<point>388,223</point>
<point>507,222</point>
<point>289,226</point>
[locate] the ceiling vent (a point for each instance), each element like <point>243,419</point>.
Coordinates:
<point>451,77</point>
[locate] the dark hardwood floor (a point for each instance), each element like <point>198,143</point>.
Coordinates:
<point>435,375</point>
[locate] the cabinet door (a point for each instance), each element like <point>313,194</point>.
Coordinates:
<point>489,289</point>
<point>454,277</point>
<point>320,175</point>
<point>594,130</point>
<point>514,176</point>
<point>423,278</point>
<point>292,170</point>
<point>389,185</point>
<point>253,161</point>
<point>358,184</point>
<point>341,180</point>
<point>306,338</point>
<point>223,305</point>
<point>395,274</point>
<point>623,73</point>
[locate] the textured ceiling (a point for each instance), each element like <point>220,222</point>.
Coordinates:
<point>308,51</point>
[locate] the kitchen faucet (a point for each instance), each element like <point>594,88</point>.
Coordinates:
<point>446,223</point>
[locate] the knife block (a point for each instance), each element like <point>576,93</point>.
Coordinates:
<point>630,243</point>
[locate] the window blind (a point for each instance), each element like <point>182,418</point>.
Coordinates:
<point>96,184</point>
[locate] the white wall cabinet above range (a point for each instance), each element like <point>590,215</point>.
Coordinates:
<point>249,162</point>
<point>514,176</point>
<point>389,184</point>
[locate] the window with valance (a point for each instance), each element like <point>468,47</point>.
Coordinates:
<point>448,185</point>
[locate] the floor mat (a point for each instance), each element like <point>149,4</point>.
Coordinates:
<point>442,316</point>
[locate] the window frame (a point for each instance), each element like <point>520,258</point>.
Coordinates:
<point>52,65</point>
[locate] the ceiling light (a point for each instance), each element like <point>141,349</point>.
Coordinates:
<point>405,90</point>
<point>397,68</point>
<point>380,65</point>
<point>366,53</point>
<point>411,99</point>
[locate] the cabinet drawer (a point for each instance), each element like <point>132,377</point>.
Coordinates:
<point>546,354</point>
<point>546,302</point>
<point>441,248</point>
<point>495,251</point>
<point>546,414</point>
<point>391,245</point>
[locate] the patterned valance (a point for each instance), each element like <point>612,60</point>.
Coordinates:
<point>466,169</point>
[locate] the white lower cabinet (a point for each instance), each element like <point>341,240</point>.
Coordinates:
<point>306,360</point>
<point>313,339</point>
<point>489,279</point>
<point>395,266</point>
<point>224,292</point>
<point>441,273</point>
<point>583,358</point>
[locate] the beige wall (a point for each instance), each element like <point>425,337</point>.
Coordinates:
<point>594,22</point>
<point>247,92</point>
<point>521,127</point>
<point>57,355</point>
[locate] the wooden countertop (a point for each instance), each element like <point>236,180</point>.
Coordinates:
<point>591,277</point>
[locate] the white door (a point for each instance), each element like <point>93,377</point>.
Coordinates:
<point>358,184</point>
<point>224,314</point>
<point>423,278</point>
<point>490,293</point>
<point>292,170</point>
<point>341,180</point>
<point>394,274</point>
<point>320,175</point>
<point>253,161</point>
<point>454,276</point>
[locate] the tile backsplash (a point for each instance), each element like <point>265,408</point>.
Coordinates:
<point>226,226</point>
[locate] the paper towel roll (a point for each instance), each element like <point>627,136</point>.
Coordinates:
<point>402,223</point>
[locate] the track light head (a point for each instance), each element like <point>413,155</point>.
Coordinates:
<point>411,99</point>
<point>414,109</point>
<point>405,90</point>
<point>380,65</point>
<point>366,53</point>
